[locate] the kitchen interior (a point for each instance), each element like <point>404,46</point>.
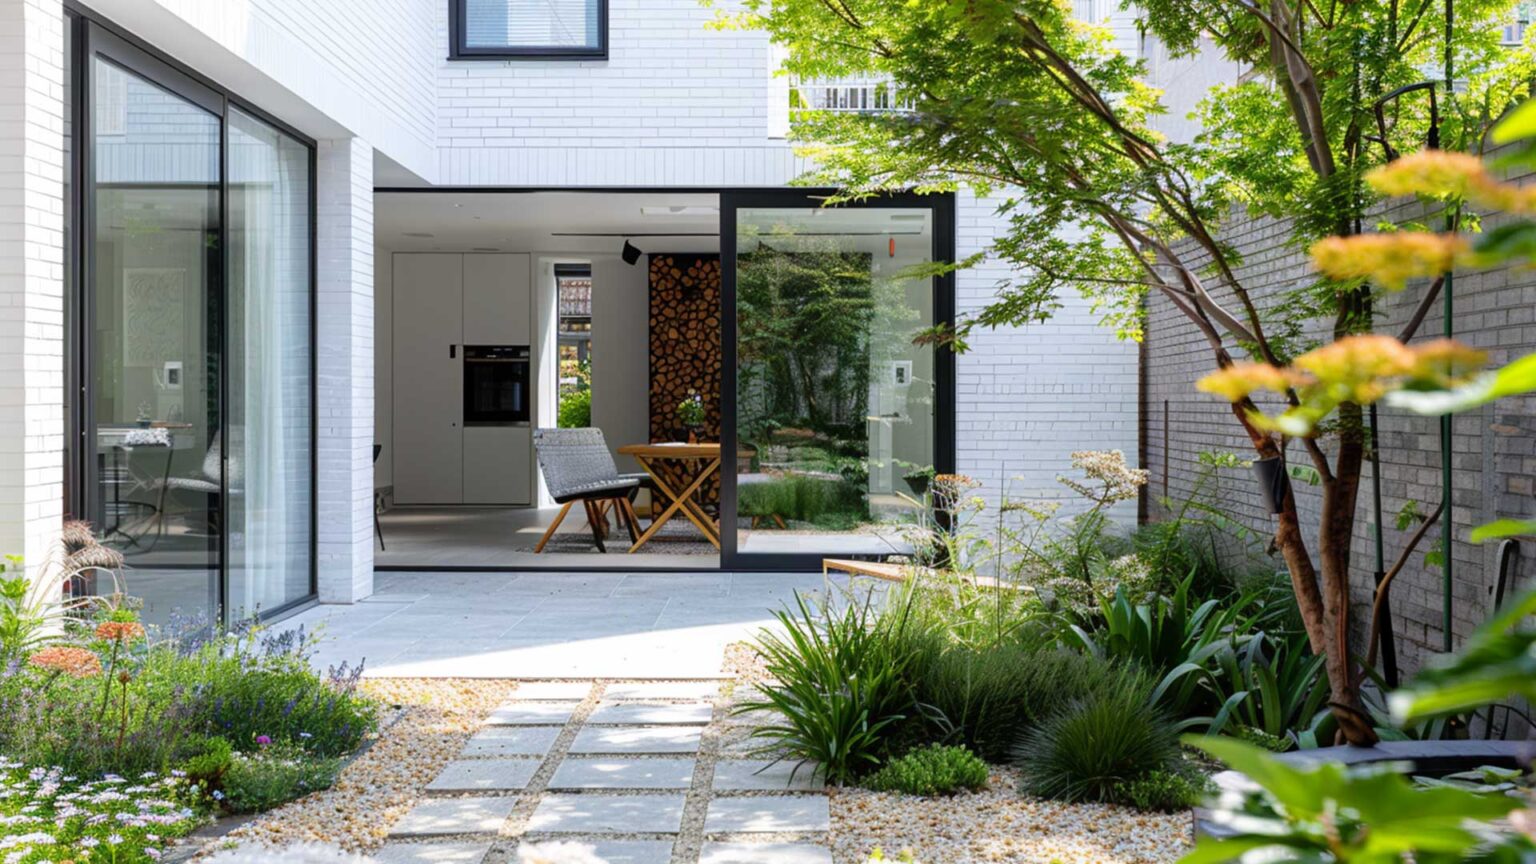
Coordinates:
<point>489,307</point>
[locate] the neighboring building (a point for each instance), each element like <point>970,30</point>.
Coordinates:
<point>200,321</point>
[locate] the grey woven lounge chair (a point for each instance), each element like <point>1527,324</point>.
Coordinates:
<point>578,467</point>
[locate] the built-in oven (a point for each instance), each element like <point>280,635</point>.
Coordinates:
<point>496,385</point>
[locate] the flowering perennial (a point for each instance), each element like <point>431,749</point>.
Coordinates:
<point>48,816</point>
<point>75,662</point>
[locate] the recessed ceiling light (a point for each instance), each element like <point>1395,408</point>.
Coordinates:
<point>422,234</point>
<point>485,249</point>
<point>681,210</point>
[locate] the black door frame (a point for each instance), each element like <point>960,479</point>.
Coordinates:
<point>943,250</point>
<point>91,36</point>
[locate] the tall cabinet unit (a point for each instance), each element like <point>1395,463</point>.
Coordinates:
<point>442,302</point>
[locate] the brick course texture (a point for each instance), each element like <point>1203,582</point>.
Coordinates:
<point>1493,449</point>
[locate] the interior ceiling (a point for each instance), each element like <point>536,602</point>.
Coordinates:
<point>556,222</point>
<point>598,223</point>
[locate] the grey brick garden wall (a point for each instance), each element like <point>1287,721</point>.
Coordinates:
<point>1494,449</point>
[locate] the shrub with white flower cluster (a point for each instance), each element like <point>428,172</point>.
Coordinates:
<point>47,815</point>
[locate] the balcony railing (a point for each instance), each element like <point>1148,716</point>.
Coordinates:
<point>853,95</point>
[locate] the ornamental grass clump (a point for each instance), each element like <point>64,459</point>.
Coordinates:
<point>1089,749</point>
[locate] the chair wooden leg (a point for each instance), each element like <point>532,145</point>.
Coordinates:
<point>779,521</point>
<point>630,519</point>
<point>550,532</point>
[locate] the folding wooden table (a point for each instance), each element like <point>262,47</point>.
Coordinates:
<point>680,471</point>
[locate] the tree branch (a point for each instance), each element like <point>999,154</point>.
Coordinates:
<point>1386,582</point>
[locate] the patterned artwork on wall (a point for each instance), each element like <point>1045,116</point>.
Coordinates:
<point>685,345</point>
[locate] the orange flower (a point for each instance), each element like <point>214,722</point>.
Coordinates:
<point>1354,368</point>
<point>1388,259</point>
<point>77,662</point>
<point>1241,379</point>
<point>119,631</point>
<point>1446,362</point>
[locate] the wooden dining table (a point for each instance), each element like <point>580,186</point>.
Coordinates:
<point>679,471</point>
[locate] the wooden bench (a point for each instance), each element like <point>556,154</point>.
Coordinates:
<point>898,573</point>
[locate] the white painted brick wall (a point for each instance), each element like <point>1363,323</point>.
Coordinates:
<point>345,386</point>
<point>1026,397</point>
<point>330,67</point>
<point>32,117</point>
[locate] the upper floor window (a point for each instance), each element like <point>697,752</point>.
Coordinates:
<point>534,29</point>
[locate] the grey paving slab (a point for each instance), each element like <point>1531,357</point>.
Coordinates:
<point>764,853</point>
<point>558,691</point>
<point>763,775</point>
<point>512,741</point>
<point>620,851</point>
<point>438,816</point>
<point>531,714</point>
<point>432,853</point>
<point>637,739</point>
<point>778,813</point>
<point>662,690</point>
<point>484,775</point>
<point>608,814</point>
<point>600,773</point>
<point>656,714</point>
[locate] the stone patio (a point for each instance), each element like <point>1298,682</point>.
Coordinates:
<point>568,625</point>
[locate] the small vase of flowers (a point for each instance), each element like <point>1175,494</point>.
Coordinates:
<point>690,413</point>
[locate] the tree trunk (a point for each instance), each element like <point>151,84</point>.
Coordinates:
<point>1335,540</point>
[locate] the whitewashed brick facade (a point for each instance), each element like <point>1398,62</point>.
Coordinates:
<point>344,237</point>
<point>32,124</point>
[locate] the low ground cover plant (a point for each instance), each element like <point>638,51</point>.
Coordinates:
<point>49,815</point>
<point>931,770</point>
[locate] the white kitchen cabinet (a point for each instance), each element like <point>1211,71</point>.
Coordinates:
<point>497,299</point>
<point>428,378</point>
<point>443,302</point>
<point>498,465</point>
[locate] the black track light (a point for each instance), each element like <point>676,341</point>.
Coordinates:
<point>631,253</point>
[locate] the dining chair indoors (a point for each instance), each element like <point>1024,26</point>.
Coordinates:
<point>578,466</point>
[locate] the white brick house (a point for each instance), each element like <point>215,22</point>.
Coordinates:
<point>373,89</point>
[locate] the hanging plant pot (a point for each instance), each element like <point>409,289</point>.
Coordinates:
<point>1274,484</point>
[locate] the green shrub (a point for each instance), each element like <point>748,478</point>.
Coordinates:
<point>207,768</point>
<point>933,770</point>
<point>1088,749</point>
<point>841,685</point>
<point>1163,790</point>
<point>273,776</point>
<point>575,410</point>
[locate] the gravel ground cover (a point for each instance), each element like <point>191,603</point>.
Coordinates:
<point>998,824</point>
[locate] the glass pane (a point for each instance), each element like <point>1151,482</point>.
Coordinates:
<point>531,23</point>
<point>834,403</point>
<point>269,368</point>
<point>154,340</point>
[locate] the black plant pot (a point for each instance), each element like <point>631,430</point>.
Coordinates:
<point>1274,484</point>
<point>918,485</point>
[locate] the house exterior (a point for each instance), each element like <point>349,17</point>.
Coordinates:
<point>272,123</point>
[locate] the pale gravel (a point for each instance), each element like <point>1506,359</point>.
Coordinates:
<point>1000,825</point>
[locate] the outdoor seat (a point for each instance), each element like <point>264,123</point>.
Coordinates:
<point>578,466</point>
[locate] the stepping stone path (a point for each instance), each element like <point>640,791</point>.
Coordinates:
<point>644,772</point>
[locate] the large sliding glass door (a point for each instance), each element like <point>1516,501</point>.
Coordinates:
<point>196,442</point>
<point>834,412</point>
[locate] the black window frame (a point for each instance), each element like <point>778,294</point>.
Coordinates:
<point>92,35</point>
<point>459,49</point>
